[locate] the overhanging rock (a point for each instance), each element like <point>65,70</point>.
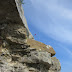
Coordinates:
<point>12,11</point>
<point>21,13</point>
<point>19,52</point>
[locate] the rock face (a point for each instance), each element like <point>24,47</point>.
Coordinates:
<point>19,52</point>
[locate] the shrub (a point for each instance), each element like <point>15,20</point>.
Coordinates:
<point>22,2</point>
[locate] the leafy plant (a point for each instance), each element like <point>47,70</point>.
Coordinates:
<point>22,2</point>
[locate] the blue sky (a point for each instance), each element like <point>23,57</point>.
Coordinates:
<point>51,21</point>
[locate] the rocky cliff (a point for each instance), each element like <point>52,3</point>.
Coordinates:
<point>19,52</point>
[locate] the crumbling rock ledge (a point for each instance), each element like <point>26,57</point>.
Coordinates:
<point>19,52</point>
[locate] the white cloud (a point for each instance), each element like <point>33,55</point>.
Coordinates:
<point>66,49</point>
<point>69,52</point>
<point>61,11</point>
<point>54,20</point>
<point>54,6</point>
<point>59,25</point>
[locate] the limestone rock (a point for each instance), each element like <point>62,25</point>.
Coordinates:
<point>43,57</point>
<point>40,46</point>
<point>51,50</point>
<point>21,13</point>
<point>56,67</point>
<point>37,57</point>
<point>16,40</point>
<point>19,52</point>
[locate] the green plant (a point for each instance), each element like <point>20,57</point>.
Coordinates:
<point>22,2</point>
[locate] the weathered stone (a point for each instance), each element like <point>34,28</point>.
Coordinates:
<point>21,13</point>
<point>37,57</point>
<point>40,46</point>
<point>51,50</point>
<point>16,40</point>
<point>43,57</point>
<point>55,67</point>
<point>0,46</point>
<point>19,52</point>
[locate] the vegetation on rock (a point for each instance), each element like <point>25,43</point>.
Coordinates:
<point>22,2</point>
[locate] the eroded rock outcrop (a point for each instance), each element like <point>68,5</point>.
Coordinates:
<point>19,52</point>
